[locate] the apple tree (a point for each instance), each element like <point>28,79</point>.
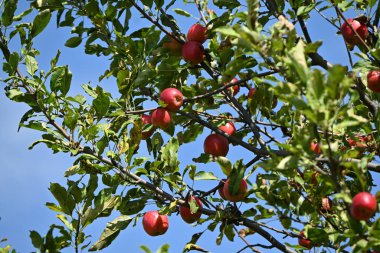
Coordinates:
<point>245,76</point>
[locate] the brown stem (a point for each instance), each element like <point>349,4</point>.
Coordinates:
<point>199,7</point>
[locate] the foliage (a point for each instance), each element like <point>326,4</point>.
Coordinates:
<point>257,41</point>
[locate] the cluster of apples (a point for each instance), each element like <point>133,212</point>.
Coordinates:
<point>156,224</point>
<point>363,207</point>
<point>193,50</point>
<point>172,100</point>
<point>348,30</point>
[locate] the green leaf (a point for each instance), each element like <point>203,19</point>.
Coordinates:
<point>228,31</point>
<point>145,249</point>
<point>36,238</point>
<point>64,199</point>
<point>40,22</point>
<point>202,175</point>
<point>132,206</point>
<point>73,42</point>
<point>298,60</point>
<point>182,12</point>
<point>61,80</point>
<point>103,207</point>
<point>163,249</point>
<point>224,164</point>
<point>229,4</point>
<point>9,11</point>
<point>169,154</point>
<point>31,64</point>
<point>101,103</point>
<point>236,176</point>
<point>111,231</point>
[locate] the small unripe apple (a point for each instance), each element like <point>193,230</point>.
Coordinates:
<point>234,89</point>
<point>197,32</point>
<point>193,52</point>
<point>161,118</point>
<point>228,128</point>
<point>216,145</point>
<point>363,206</point>
<point>172,98</point>
<point>373,80</point>
<point>326,205</point>
<point>154,223</point>
<point>239,195</point>
<point>303,241</point>
<point>315,147</point>
<point>349,35</point>
<point>186,213</point>
<point>173,46</point>
<point>147,120</point>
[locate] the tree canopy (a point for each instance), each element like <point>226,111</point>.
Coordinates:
<point>246,79</point>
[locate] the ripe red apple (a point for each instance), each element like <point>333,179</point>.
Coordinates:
<point>315,147</point>
<point>228,128</point>
<point>161,118</point>
<point>173,46</point>
<point>240,195</point>
<point>186,213</point>
<point>173,99</point>
<point>251,92</point>
<point>220,189</point>
<point>193,52</point>
<point>363,206</point>
<point>373,80</point>
<point>349,35</point>
<point>303,241</point>
<point>146,119</point>
<point>233,89</point>
<point>326,205</point>
<point>197,32</point>
<point>216,145</point>
<point>154,223</point>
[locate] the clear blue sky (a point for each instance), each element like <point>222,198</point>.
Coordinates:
<point>26,174</point>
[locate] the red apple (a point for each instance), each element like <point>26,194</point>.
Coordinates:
<point>161,118</point>
<point>363,206</point>
<point>303,241</point>
<point>173,46</point>
<point>349,35</point>
<point>326,205</point>
<point>373,80</point>
<point>173,99</point>
<point>154,223</point>
<point>239,195</point>
<point>197,32</point>
<point>216,145</point>
<point>220,189</point>
<point>186,213</point>
<point>193,52</point>
<point>251,92</point>
<point>147,120</point>
<point>315,147</point>
<point>233,89</point>
<point>228,128</point>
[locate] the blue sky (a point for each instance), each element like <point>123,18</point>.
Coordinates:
<point>26,174</point>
